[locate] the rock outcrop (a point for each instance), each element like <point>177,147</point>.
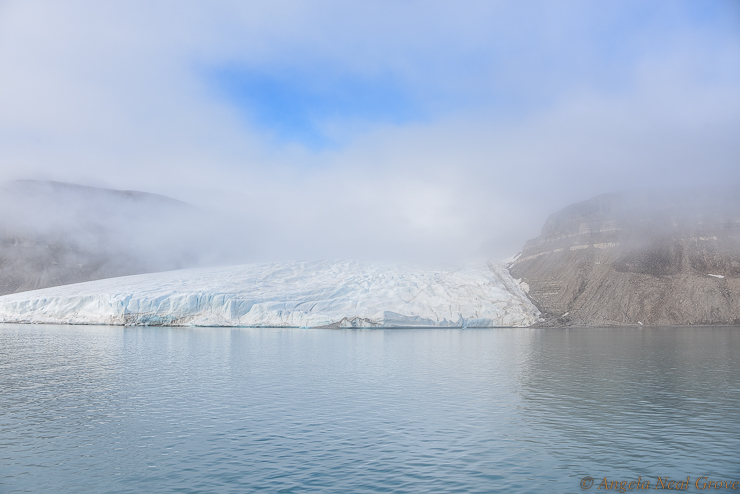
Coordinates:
<point>648,257</point>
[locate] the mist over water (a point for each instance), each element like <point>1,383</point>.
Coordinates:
<point>152,136</point>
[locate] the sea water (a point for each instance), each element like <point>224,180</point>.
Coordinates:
<point>89,409</point>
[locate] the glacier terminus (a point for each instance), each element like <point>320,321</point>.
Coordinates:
<point>335,294</point>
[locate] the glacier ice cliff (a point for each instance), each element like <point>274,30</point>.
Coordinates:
<point>292,294</point>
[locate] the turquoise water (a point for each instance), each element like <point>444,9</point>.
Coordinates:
<point>111,409</point>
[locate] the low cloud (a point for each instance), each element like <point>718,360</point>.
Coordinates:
<point>525,109</point>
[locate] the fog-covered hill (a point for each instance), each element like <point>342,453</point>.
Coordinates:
<point>54,233</point>
<point>649,257</point>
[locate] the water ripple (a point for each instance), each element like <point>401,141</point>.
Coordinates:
<point>119,410</point>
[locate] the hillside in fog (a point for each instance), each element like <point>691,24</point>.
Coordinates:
<point>650,257</point>
<point>55,233</point>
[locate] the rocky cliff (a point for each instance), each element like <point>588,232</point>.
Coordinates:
<point>648,257</point>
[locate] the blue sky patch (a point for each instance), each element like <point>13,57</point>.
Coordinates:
<point>295,106</point>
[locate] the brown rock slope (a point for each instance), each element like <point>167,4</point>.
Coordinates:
<point>650,257</point>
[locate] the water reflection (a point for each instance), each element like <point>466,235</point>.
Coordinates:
<point>106,409</point>
<point>629,402</point>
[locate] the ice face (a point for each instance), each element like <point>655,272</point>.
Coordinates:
<point>294,294</point>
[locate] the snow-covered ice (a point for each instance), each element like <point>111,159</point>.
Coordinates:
<point>292,294</point>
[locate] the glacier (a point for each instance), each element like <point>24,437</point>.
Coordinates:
<point>334,294</point>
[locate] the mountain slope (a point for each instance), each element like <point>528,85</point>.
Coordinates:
<point>650,257</point>
<point>54,233</point>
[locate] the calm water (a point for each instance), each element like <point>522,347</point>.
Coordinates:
<point>110,409</point>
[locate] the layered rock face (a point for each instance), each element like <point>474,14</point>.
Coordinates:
<point>649,257</point>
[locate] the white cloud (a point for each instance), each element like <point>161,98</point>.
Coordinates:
<point>525,116</point>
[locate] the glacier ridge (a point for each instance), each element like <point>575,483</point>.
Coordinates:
<point>290,294</point>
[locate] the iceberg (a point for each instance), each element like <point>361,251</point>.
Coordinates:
<point>334,294</point>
